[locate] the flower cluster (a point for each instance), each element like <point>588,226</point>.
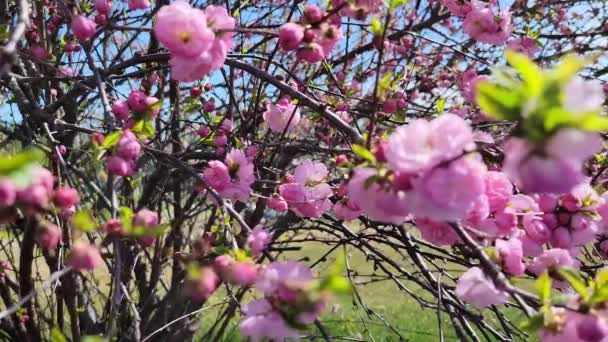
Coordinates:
<point>306,191</point>
<point>198,40</point>
<point>314,37</point>
<point>480,20</point>
<point>138,103</point>
<point>123,160</point>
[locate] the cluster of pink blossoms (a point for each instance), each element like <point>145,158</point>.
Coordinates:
<point>233,178</point>
<point>314,37</point>
<point>123,160</point>
<point>358,9</point>
<point>306,191</point>
<point>480,20</point>
<point>198,40</point>
<point>138,103</point>
<point>288,303</point>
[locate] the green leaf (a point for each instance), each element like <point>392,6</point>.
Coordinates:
<point>543,287</point>
<point>92,338</point>
<point>499,102</point>
<point>193,105</point>
<point>533,324</point>
<point>126,218</point>
<point>111,140</point>
<point>364,153</point>
<point>16,162</point>
<point>376,26</point>
<point>440,105</point>
<point>83,221</point>
<point>531,74</point>
<point>334,281</point>
<point>593,122</point>
<point>394,4</point>
<point>155,106</point>
<point>566,70</point>
<point>576,281</point>
<point>57,335</point>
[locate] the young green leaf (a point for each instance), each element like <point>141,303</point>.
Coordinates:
<point>364,153</point>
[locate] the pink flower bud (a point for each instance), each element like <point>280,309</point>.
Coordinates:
<point>290,36</point>
<point>312,53</point>
<point>39,52</point>
<point>100,19</point>
<point>48,236</point>
<point>97,138</point>
<point>65,197</point>
<point>8,194</point>
<point>137,101</point>
<point>103,6</point>
<point>120,109</point>
<point>84,257</point>
<point>145,218</point>
<point>204,131</point>
<point>114,227</point>
<point>278,204</point>
<point>35,196</point>
<point>341,159</point>
<point>83,27</point>
<point>139,4</point>
<point>390,106</point>
<point>196,91</point>
<point>68,212</point>
<point>209,106</point>
<point>313,13</point>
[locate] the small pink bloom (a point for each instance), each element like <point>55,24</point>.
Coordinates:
<point>128,147</point>
<point>278,203</point>
<point>438,233</point>
<point>137,101</point>
<point>484,26</point>
<point>258,240</point>
<point>138,4</point>
<point>552,259</point>
<point>475,288</point>
<point>282,117</point>
<point>290,36</point>
<point>120,167</point>
<point>39,52</point>
<point>146,218</point>
<point>66,197</point>
<point>83,27</point>
<point>103,6</point>
<point>511,253</point>
<point>120,109</point>
<point>114,227</point>
<point>183,29</point>
<point>525,45</point>
<point>260,320</point>
<point>84,257</point>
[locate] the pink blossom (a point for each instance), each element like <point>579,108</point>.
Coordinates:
<point>204,285</point>
<point>284,279</point>
<point>114,227</point>
<point>35,196</point>
<point>138,4</point>
<point>525,45</point>
<point>183,29</point>
<point>241,273</point>
<point>128,147</point>
<point>120,109</point>
<point>239,170</point>
<point>308,195</point>
<point>120,167</point>
<point>103,6</point>
<point>449,192</point>
<point>421,144</point>
<point>137,101</point>
<point>260,320</point>
<point>48,236</point>
<point>146,218</point>
<point>511,253</point>
<point>290,36</point>
<point>278,203</point>
<point>258,240</point>
<point>282,117</point>
<point>499,190</point>
<point>8,193</point>
<point>468,83</point>
<point>84,257</point>
<point>552,259</point>
<point>39,52</point>
<point>359,9</point>
<point>378,203</point>
<point>438,233</point>
<point>83,27</point>
<point>483,25</point>
<point>347,210</point>
<point>590,90</point>
<point>475,288</point>
<point>66,197</point>
<point>458,8</point>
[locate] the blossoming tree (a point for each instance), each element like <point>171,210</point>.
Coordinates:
<point>170,169</point>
